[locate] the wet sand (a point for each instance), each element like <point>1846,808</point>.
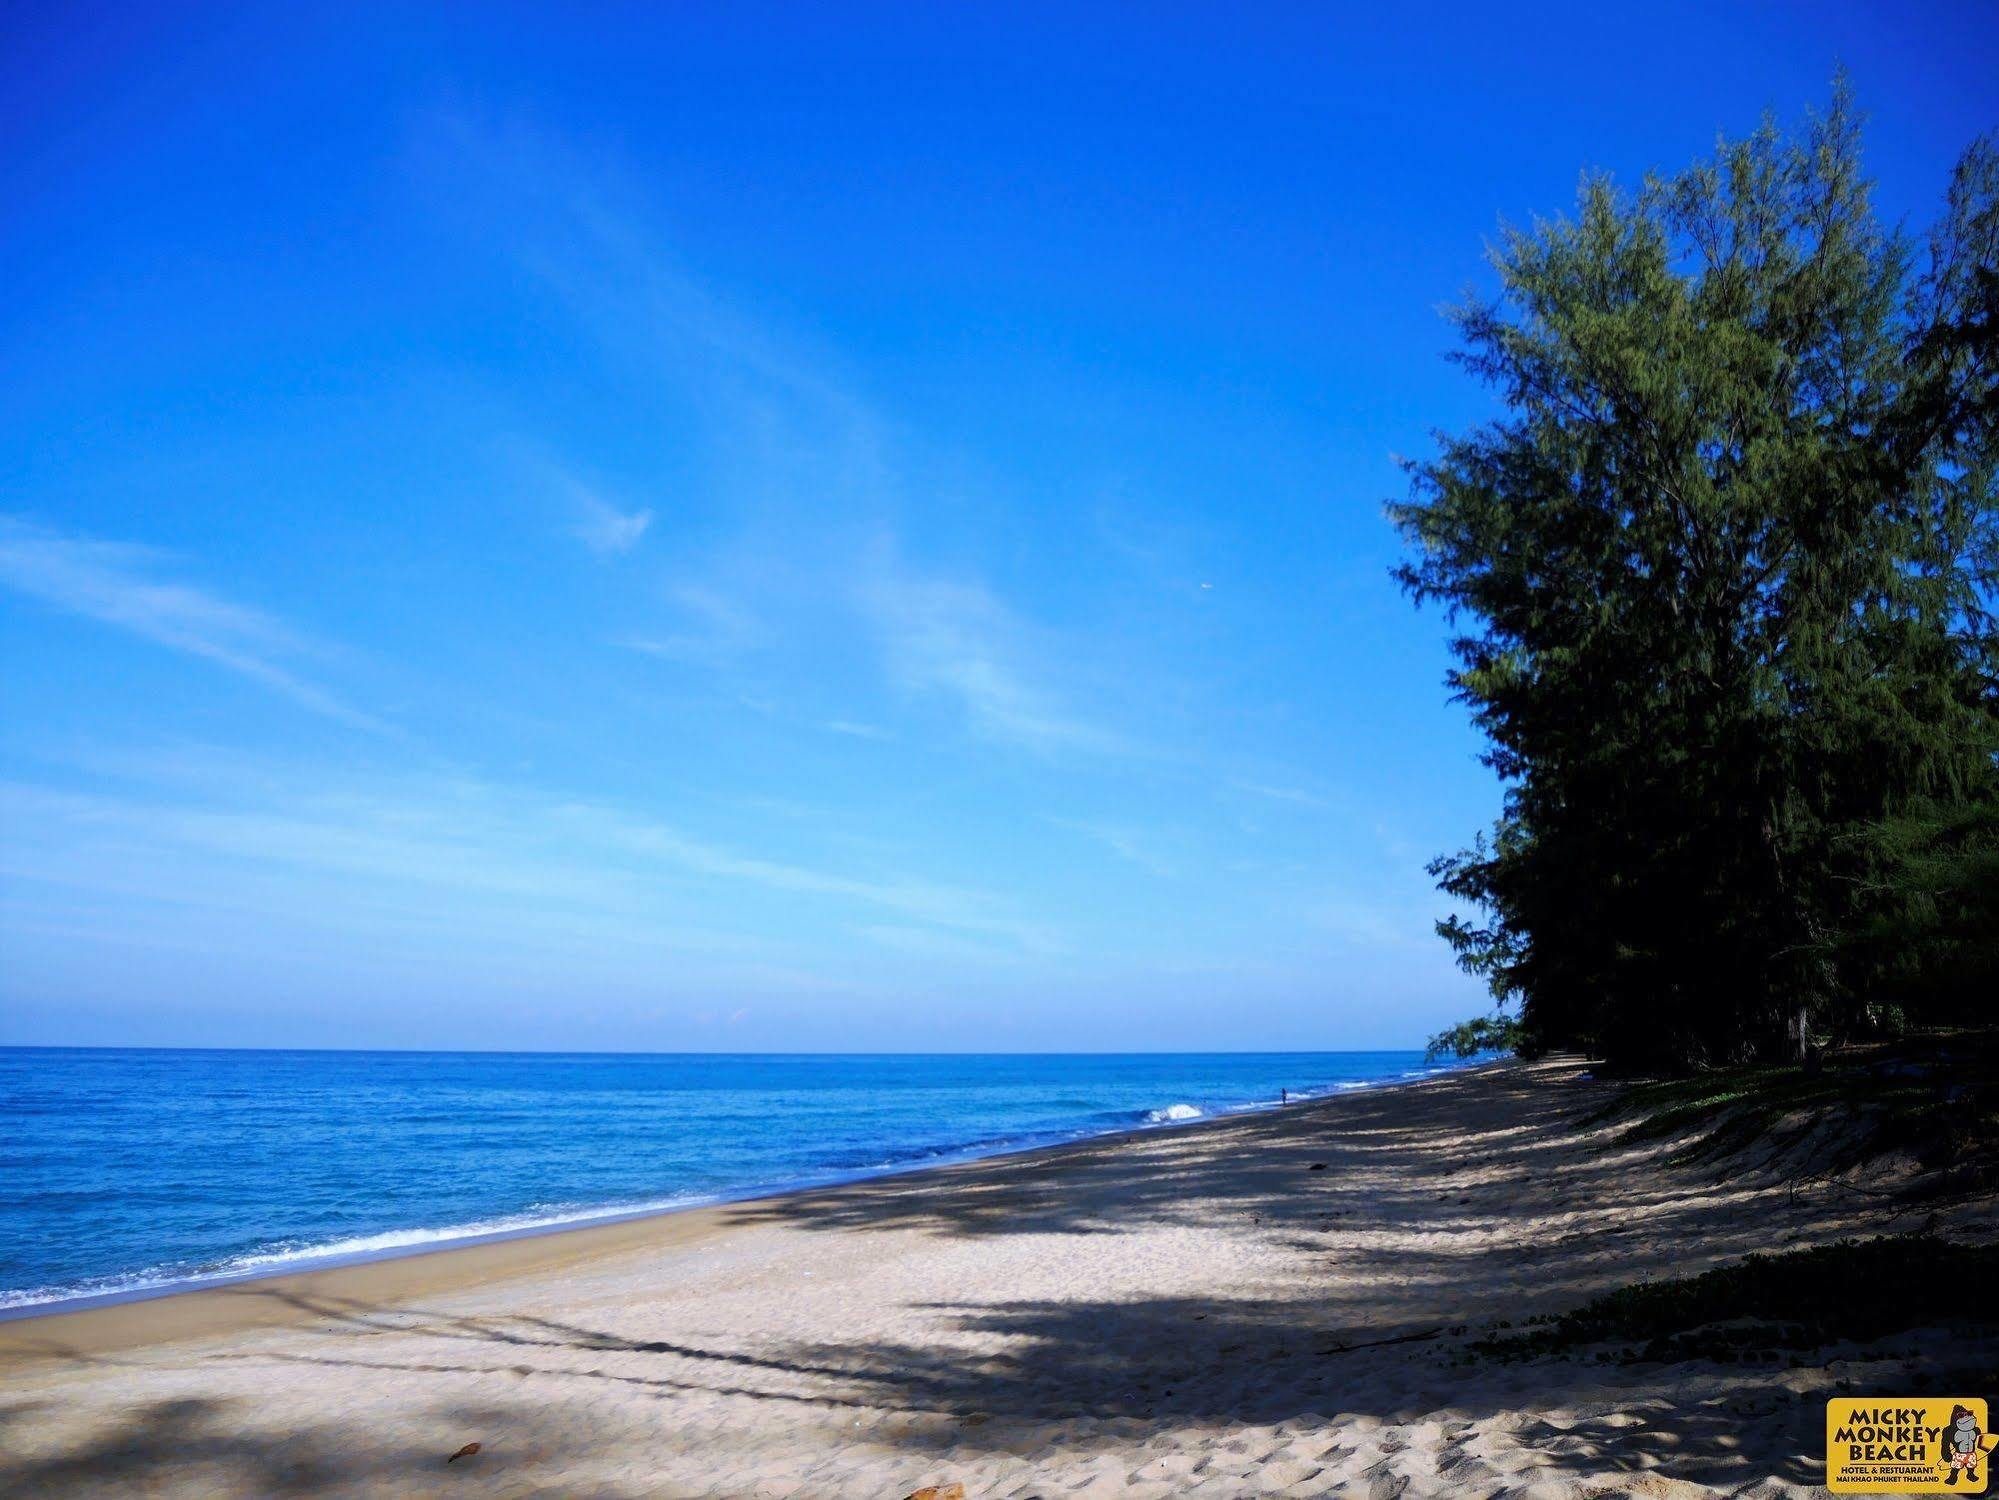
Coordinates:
<point>1202,1311</point>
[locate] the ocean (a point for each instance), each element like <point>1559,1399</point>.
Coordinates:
<point>128,1173</point>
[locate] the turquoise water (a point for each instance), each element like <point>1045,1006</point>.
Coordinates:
<point>133,1171</point>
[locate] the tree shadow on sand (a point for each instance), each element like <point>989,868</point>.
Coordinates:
<point>215,1446</point>
<point>1086,1376</point>
<point>1398,1158</point>
<point>1394,1245</point>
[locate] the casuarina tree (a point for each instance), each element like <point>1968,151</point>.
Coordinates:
<point>1722,577</point>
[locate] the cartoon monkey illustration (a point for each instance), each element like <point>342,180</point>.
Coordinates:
<point>1961,1445</point>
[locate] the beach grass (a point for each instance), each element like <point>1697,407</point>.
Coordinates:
<point>1768,1307</point>
<point>1932,1096</point>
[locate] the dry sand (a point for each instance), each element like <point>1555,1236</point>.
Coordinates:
<point>1187,1312</point>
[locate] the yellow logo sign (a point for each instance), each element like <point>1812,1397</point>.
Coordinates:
<point>1907,1445</point>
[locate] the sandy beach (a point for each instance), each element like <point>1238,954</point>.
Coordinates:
<point>1274,1304</point>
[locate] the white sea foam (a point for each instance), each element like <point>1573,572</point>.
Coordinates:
<point>297,1256</point>
<point>120,1286</point>
<point>394,1239</point>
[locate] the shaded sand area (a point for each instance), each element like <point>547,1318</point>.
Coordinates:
<point>1204,1311</point>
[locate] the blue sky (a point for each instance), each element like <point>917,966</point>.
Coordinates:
<point>777,527</point>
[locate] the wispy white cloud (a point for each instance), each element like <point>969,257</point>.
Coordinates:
<point>1133,845</point>
<point>573,221</point>
<point>855,730</point>
<point>604,529</point>
<point>513,848</point>
<point>715,629</point>
<point>809,471</point>
<point>925,901</point>
<point>956,639</point>
<point>120,584</point>
<point>1290,794</point>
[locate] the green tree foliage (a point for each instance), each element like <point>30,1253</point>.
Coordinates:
<point>1724,579</point>
<point>1480,1034</point>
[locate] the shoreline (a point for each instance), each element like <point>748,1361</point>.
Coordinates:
<point>100,1322</point>
<point>1284,1302</point>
